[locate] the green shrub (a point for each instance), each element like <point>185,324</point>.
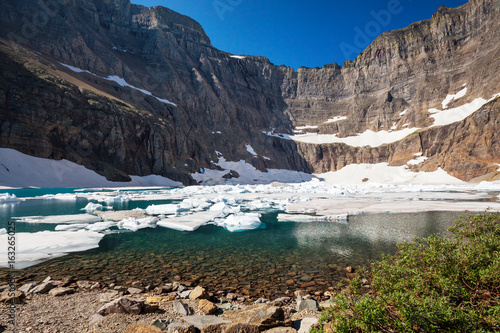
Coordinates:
<point>431,285</point>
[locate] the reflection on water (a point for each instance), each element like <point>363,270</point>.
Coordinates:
<point>280,257</point>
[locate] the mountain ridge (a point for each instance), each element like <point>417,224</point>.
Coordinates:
<point>129,58</point>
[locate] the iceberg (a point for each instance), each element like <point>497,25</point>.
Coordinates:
<point>60,219</point>
<point>188,222</point>
<point>136,224</point>
<point>8,198</point>
<point>241,222</point>
<point>92,207</point>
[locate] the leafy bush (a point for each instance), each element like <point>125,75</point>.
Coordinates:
<point>431,285</point>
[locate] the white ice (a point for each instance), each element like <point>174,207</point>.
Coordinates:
<point>136,224</point>
<point>367,138</point>
<point>300,128</point>
<point>6,197</point>
<point>23,170</point>
<point>120,81</point>
<point>450,98</point>
<point>101,226</point>
<point>92,207</point>
<point>224,208</point>
<point>335,119</point>
<point>3,231</point>
<point>60,219</point>
<point>166,209</point>
<point>33,248</point>
<point>188,222</point>
<point>241,222</point>
<point>71,227</point>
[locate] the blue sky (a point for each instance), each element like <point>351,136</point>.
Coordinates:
<point>298,32</point>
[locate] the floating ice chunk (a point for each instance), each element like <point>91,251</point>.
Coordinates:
<point>224,208</point>
<point>450,98</point>
<point>8,198</point>
<point>136,224</point>
<point>71,227</point>
<point>33,248</point>
<point>188,222</point>
<point>335,119</point>
<point>60,219</point>
<point>167,209</point>
<point>241,222</point>
<point>100,226</point>
<point>195,204</point>
<point>313,218</point>
<point>59,196</point>
<point>92,207</point>
<point>251,150</point>
<point>3,231</point>
<point>259,205</point>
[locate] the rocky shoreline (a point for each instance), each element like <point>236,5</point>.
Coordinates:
<point>69,305</point>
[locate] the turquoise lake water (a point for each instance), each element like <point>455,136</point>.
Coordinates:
<point>269,258</point>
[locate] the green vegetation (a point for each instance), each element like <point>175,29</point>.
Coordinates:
<point>431,285</point>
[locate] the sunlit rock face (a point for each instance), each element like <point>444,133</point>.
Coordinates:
<point>128,90</point>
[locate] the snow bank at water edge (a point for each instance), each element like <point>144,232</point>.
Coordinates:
<point>23,170</point>
<point>33,248</point>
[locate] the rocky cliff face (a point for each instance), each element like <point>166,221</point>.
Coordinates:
<point>147,93</point>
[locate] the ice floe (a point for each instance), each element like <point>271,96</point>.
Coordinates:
<point>136,224</point>
<point>32,248</point>
<point>71,227</point>
<point>60,219</point>
<point>6,197</point>
<point>188,222</point>
<point>92,207</point>
<point>23,170</point>
<point>241,222</point>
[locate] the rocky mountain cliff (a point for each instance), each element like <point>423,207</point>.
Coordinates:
<point>128,90</point>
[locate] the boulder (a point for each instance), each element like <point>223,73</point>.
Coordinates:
<point>198,293</point>
<point>207,307</point>
<point>25,288</point>
<point>143,328</point>
<point>122,305</point>
<point>307,304</point>
<point>263,315</point>
<point>84,284</point>
<point>181,308</point>
<point>304,325</point>
<point>61,291</point>
<point>43,288</point>
<point>201,322</point>
<point>15,296</point>
<point>301,293</point>
<point>282,330</point>
<point>181,327</point>
<point>134,291</point>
